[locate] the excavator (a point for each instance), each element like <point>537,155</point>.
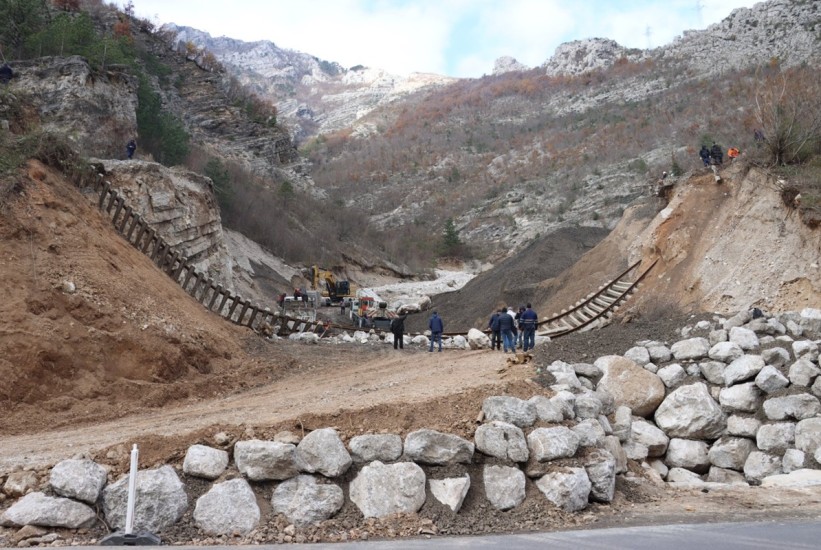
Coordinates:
<point>332,290</point>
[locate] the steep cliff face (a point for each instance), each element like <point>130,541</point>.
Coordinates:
<point>581,56</point>
<point>95,109</point>
<point>180,205</point>
<point>314,96</point>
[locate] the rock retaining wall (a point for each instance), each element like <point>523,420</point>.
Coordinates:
<point>736,401</point>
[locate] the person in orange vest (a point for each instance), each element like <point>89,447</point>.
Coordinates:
<point>733,153</point>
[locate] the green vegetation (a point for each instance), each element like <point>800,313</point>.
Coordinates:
<point>160,132</point>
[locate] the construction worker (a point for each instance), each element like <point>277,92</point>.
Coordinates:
<point>717,154</point>
<point>495,334</point>
<point>398,331</point>
<point>6,74</point>
<point>704,153</point>
<point>732,153</point>
<point>130,147</point>
<point>506,324</point>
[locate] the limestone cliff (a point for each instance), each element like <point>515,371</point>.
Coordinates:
<point>95,109</point>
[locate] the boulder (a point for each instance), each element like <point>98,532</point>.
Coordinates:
<point>261,460</point>
<point>78,479</point>
<point>510,409</point>
<point>590,432</point>
<point>775,438</point>
<point>547,444</point>
<point>306,501</point>
<point>502,440</point>
<point>478,339</point>
<point>717,336</point>
<point>770,379</point>
<point>587,370</point>
<point>690,412</point>
<point>370,447</point>
<point>741,398</point>
<point>564,374</point>
<point>688,454</point>
<point>322,451</point>
<point>803,372</point>
<point>726,352</point>
<point>760,465</point>
<point>722,475</point>
<point>713,371</point>
<point>504,486</point>
<point>743,368</point>
<point>161,500</point>
<point>565,402</point>
<point>691,349</point>
<point>451,491</point>
<point>808,436</point>
<point>623,423</point>
<point>792,460</point>
<point>811,321</point>
<point>588,406</point>
<point>636,451</point>
<point>802,478</point>
<point>659,353</point>
<point>205,462</point>
<point>613,446</point>
<point>799,406</point>
<point>776,357</point>
<point>38,509</point>
<point>651,437</point>
<point>600,466</point>
<point>639,355</point>
<point>672,375</point>
<point>383,489</point>
<point>730,452</point>
<point>805,349</point>
<point>742,426</point>
<point>437,448</point>
<point>682,475</point>
<point>568,488</point>
<point>227,508</point>
<point>630,385</point>
<point>745,338</point>
<point>547,410</point>
<point>20,483</point>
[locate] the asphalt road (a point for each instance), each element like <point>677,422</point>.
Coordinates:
<point>781,535</point>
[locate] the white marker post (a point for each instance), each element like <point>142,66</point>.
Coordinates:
<point>128,538</point>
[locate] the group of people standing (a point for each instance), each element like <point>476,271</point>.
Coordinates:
<point>511,329</point>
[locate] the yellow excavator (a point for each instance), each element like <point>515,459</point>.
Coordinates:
<point>334,291</point>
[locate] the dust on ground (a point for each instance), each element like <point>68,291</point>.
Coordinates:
<point>123,355</point>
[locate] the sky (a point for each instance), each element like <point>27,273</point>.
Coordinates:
<point>461,38</point>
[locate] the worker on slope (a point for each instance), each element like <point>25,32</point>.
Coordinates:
<point>733,153</point>
<point>717,154</point>
<point>495,334</point>
<point>704,153</point>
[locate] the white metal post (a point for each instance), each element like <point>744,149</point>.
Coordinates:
<point>132,491</point>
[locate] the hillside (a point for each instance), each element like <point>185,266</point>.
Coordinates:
<point>523,152</point>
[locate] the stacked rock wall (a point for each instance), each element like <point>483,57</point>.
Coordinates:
<point>736,401</point>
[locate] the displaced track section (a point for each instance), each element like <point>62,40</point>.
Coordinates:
<point>596,309</point>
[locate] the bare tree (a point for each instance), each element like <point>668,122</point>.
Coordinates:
<point>788,112</point>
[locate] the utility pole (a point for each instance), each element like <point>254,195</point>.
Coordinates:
<point>648,31</point>
<point>700,11</point>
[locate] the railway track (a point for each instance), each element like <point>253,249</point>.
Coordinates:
<point>597,308</point>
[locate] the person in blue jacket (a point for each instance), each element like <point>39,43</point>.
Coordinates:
<point>528,319</point>
<point>506,324</point>
<point>437,327</point>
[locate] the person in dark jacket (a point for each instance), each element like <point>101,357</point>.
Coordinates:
<point>704,153</point>
<point>398,331</point>
<point>495,335</point>
<point>130,147</point>
<point>506,324</point>
<point>6,74</point>
<point>528,319</point>
<point>437,327</point>
<point>717,154</point>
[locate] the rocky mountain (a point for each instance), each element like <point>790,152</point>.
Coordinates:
<point>524,151</point>
<point>315,96</point>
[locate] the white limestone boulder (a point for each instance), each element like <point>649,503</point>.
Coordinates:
<point>371,447</point>
<point>205,462</point>
<point>262,460</point>
<point>38,509</point>
<point>380,489</point>
<point>161,500</point>
<point>322,451</point>
<point>227,508</point>
<point>304,500</point>
<point>451,491</point>
<point>630,385</point>
<point>437,448</point>
<point>80,479</point>
<point>567,488</point>
<point>509,409</point>
<point>504,486</point>
<point>690,412</point>
<point>502,440</point>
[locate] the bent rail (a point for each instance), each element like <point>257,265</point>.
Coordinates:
<point>597,308</point>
